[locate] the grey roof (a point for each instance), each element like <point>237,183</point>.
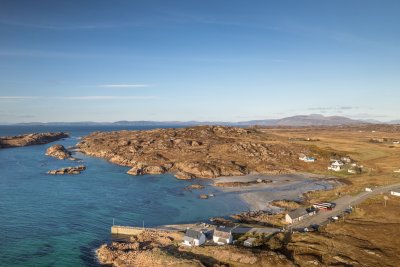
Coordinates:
<point>221,233</point>
<point>193,234</point>
<point>297,213</point>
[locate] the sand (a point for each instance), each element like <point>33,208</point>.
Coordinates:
<point>288,187</point>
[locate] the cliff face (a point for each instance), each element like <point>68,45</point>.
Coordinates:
<point>30,139</point>
<point>204,151</point>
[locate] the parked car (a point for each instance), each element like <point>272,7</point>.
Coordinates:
<point>334,218</point>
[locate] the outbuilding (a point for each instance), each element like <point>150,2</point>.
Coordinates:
<point>194,238</point>
<point>395,192</point>
<point>298,215</point>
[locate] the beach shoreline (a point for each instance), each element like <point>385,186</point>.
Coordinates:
<point>258,196</point>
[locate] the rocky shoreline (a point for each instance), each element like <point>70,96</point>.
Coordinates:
<point>199,152</point>
<point>31,139</point>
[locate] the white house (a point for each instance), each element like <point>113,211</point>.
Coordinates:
<point>335,168</point>
<point>222,237</point>
<point>298,215</point>
<point>307,159</point>
<point>194,238</point>
<point>352,171</point>
<point>395,192</point>
<point>346,159</point>
<point>337,163</point>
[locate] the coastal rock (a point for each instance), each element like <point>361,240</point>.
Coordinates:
<point>68,170</point>
<point>194,186</point>
<point>30,139</point>
<point>201,152</point>
<point>147,249</point>
<point>183,175</point>
<point>141,169</point>
<point>58,152</point>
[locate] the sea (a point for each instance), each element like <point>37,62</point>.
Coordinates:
<point>49,220</point>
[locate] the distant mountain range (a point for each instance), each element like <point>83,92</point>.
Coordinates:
<point>300,120</point>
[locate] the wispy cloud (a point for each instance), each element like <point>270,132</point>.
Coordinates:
<point>21,98</point>
<point>339,108</point>
<point>71,27</point>
<point>18,97</point>
<point>137,85</point>
<point>43,54</point>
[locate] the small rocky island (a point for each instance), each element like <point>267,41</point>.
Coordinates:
<point>58,151</point>
<point>31,139</point>
<point>202,151</point>
<point>68,170</point>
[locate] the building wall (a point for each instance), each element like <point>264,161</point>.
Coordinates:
<point>393,193</point>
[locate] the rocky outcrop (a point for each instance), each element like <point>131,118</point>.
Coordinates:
<point>151,248</point>
<point>203,151</point>
<point>68,170</point>
<point>58,152</point>
<point>31,139</point>
<point>147,249</point>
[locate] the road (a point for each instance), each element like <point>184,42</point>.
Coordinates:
<point>341,205</point>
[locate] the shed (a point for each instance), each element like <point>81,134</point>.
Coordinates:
<point>395,192</point>
<point>298,215</point>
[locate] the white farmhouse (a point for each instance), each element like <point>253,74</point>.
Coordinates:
<point>194,238</point>
<point>222,237</point>
<point>337,163</point>
<point>335,168</point>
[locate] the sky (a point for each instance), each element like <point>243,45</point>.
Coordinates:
<point>217,60</point>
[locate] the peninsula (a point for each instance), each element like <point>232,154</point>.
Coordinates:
<point>202,151</point>
<point>30,139</point>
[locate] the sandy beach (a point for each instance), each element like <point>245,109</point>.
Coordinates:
<point>287,186</point>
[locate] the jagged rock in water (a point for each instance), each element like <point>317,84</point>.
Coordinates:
<point>68,170</point>
<point>58,151</point>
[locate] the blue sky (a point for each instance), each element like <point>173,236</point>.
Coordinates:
<point>198,60</point>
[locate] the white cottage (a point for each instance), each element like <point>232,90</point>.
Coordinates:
<point>194,238</point>
<point>335,168</point>
<point>222,237</point>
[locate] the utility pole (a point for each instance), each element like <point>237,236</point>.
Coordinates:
<point>143,224</point>
<point>113,221</point>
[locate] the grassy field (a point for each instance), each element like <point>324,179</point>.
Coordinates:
<point>367,237</point>
<point>378,159</point>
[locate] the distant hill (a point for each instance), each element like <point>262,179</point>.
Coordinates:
<point>300,120</point>
<point>316,120</point>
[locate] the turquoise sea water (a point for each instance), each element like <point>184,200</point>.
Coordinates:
<point>59,220</point>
